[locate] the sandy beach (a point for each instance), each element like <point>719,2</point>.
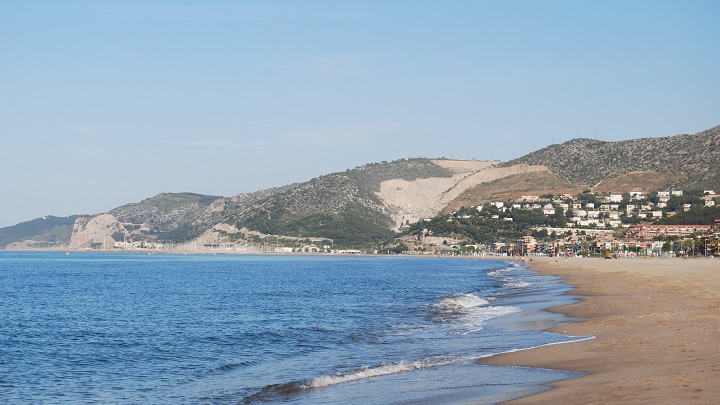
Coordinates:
<point>657,328</point>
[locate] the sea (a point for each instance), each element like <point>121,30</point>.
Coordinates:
<point>127,328</point>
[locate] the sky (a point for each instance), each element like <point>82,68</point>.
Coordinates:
<point>110,102</point>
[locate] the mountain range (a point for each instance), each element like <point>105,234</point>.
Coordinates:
<point>369,204</point>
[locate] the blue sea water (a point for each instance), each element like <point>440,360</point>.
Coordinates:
<point>237,329</point>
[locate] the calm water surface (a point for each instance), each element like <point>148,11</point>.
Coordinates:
<point>126,328</point>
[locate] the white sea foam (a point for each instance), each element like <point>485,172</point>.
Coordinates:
<point>463,301</point>
<point>518,284</point>
<point>499,272</point>
<point>466,313</point>
<point>370,372</point>
<point>473,320</point>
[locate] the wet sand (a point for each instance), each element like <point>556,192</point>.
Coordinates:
<point>657,329</point>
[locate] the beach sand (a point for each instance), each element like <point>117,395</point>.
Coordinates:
<point>657,328</point>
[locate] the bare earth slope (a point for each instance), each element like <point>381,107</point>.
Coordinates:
<point>512,188</point>
<point>637,181</point>
<point>411,201</point>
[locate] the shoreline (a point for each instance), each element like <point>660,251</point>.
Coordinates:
<point>656,326</point>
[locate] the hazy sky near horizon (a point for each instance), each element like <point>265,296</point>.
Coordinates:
<point>107,103</point>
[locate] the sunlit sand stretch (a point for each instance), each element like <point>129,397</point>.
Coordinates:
<point>657,328</point>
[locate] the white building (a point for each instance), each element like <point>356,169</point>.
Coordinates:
<point>548,209</point>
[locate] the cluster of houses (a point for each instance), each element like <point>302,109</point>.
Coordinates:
<point>599,221</point>
<point>610,212</point>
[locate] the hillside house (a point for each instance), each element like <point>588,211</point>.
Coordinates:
<point>677,193</point>
<point>710,203</point>
<point>615,198</point>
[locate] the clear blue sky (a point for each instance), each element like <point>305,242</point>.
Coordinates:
<point>105,103</point>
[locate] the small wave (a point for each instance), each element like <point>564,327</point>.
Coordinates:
<point>370,372</point>
<point>463,301</point>
<point>474,320</point>
<point>466,313</point>
<point>498,272</point>
<point>233,366</point>
<point>276,391</point>
<point>518,284</point>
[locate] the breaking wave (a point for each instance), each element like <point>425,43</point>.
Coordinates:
<point>517,284</point>
<point>277,391</point>
<point>369,372</point>
<point>466,313</point>
<point>463,301</point>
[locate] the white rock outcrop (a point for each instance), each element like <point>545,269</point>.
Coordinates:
<point>97,230</point>
<point>411,201</point>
